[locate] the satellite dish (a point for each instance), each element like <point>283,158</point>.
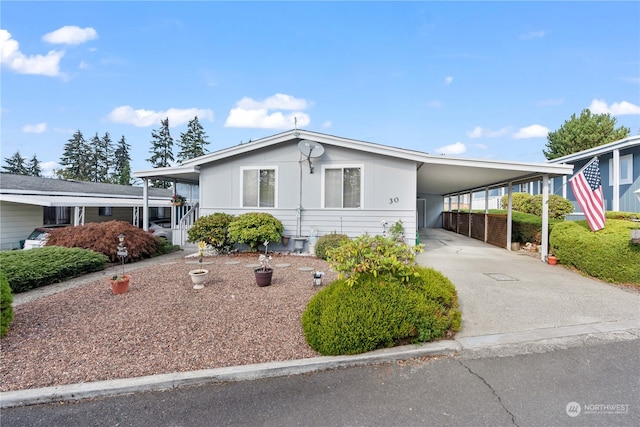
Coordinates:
<point>310,149</point>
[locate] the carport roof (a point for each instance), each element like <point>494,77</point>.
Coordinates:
<point>438,175</point>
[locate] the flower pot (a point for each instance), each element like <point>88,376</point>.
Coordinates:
<point>263,277</point>
<point>198,277</point>
<point>121,285</point>
<point>177,203</point>
<point>285,240</point>
<point>552,260</point>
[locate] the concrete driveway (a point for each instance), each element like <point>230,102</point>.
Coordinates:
<point>503,292</point>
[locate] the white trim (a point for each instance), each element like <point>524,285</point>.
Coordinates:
<point>342,166</point>
<point>275,192</point>
<point>623,180</point>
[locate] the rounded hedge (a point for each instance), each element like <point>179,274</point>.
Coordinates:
<point>6,310</point>
<point>607,254</point>
<point>329,241</point>
<point>213,230</point>
<point>376,313</point>
<point>254,228</point>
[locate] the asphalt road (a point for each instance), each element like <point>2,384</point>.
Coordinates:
<point>595,385</point>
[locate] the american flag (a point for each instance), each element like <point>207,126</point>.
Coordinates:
<point>587,187</point>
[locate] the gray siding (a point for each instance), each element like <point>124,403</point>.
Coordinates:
<point>389,190</point>
<point>17,221</point>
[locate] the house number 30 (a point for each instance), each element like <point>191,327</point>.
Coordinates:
<point>393,200</point>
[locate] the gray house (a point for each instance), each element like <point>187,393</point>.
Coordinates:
<point>27,202</point>
<point>318,184</point>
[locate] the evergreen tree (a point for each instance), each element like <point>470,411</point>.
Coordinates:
<point>95,159</point>
<point>122,167</point>
<point>33,168</point>
<point>75,158</point>
<point>104,153</point>
<point>15,165</point>
<point>161,151</point>
<point>193,142</point>
<point>582,133</point>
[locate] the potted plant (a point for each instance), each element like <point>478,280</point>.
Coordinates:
<point>120,284</point>
<point>199,276</point>
<point>178,200</point>
<point>551,259</point>
<point>264,272</point>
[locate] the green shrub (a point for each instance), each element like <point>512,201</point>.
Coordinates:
<point>43,266</point>
<point>103,237</point>
<point>377,255</point>
<point>606,254</point>
<point>254,228</point>
<point>622,215</point>
<point>376,313</point>
<point>329,241</point>
<point>212,229</point>
<point>524,202</point>
<point>6,310</point>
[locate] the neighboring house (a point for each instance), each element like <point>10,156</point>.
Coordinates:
<point>318,184</point>
<point>619,170</point>
<point>27,202</point>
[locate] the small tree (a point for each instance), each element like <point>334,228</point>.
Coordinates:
<point>33,168</point>
<point>581,133</point>
<point>122,167</point>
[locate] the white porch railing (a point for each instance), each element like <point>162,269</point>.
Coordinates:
<point>187,215</point>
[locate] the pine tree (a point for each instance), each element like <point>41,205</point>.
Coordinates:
<point>104,154</point>
<point>95,159</point>
<point>75,159</point>
<point>33,168</point>
<point>15,165</point>
<point>193,142</point>
<point>161,151</point>
<point>122,167</point>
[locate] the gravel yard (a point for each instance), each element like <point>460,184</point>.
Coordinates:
<point>161,324</point>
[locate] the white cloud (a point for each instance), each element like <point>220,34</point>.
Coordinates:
<point>145,118</point>
<point>327,124</point>
<point>250,113</point>
<point>12,58</point>
<point>37,128</point>
<point>533,131</point>
<point>533,35</point>
<point>47,169</point>
<point>448,80</point>
<point>599,106</point>
<point>479,132</point>
<point>83,65</point>
<point>457,148</point>
<point>70,34</point>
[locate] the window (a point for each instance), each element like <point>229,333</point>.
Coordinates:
<point>626,170</point>
<point>105,211</point>
<point>343,187</point>
<point>259,188</point>
<point>56,215</point>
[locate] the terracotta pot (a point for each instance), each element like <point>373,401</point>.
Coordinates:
<point>552,260</point>
<point>121,285</point>
<point>263,277</point>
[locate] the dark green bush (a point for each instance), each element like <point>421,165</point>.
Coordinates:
<point>212,229</point>
<point>607,254</point>
<point>6,310</point>
<point>43,266</point>
<point>254,228</point>
<point>376,313</point>
<point>329,241</point>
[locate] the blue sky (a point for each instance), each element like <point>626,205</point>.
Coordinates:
<point>467,79</point>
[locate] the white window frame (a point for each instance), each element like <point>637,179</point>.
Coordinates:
<point>343,166</point>
<point>275,192</point>
<point>627,158</point>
